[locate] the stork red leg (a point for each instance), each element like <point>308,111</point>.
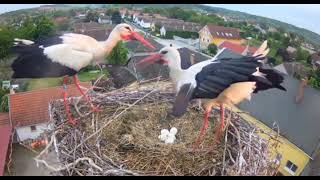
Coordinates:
<point>66,104</point>
<point>204,128</point>
<point>77,82</point>
<point>220,129</point>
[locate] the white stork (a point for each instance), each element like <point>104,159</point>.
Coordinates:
<point>66,56</point>
<point>221,81</point>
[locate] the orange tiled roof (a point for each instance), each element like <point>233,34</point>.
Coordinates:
<point>31,107</point>
<point>4,119</point>
<point>236,47</point>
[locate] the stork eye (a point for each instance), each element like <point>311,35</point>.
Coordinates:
<point>164,52</point>
<point>127,28</point>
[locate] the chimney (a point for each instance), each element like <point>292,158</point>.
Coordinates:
<point>12,91</point>
<point>303,84</point>
<point>192,60</point>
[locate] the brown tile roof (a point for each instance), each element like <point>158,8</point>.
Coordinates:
<point>86,26</point>
<point>31,107</point>
<point>99,32</point>
<point>4,119</point>
<point>224,32</point>
<point>315,57</point>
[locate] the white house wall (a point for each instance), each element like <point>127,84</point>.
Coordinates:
<point>25,132</point>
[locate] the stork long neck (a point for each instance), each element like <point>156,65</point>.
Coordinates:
<point>176,72</point>
<point>110,43</point>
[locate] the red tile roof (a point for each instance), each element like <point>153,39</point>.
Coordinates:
<point>236,47</point>
<point>31,107</point>
<point>224,32</point>
<point>4,119</point>
<point>5,136</point>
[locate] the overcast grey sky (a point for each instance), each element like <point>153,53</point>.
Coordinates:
<point>302,15</point>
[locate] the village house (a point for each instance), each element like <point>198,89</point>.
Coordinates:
<point>29,111</point>
<point>292,52</point>
<point>60,20</point>
<point>149,22</point>
<point>93,29</point>
<point>212,34</point>
<point>80,14</point>
<point>315,61</point>
<point>104,20</point>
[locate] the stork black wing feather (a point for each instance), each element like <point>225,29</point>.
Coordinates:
<point>219,75</point>
<point>182,100</point>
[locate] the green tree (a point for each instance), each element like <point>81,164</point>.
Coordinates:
<point>119,54</point>
<point>212,49</point>
<point>116,17</point>
<point>6,38</point>
<point>4,106</point>
<point>92,17</point>
<point>302,55</point>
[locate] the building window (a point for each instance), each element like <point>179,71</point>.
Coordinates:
<point>33,128</point>
<point>217,33</point>
<point>291,168</point>
<point>222,34</point>
<point>207,40</point>
<point>230,34</point>
<point>203,39</point>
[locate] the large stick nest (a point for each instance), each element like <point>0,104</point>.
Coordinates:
<point>123,138</point>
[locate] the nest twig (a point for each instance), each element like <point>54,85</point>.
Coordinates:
<point>123,139</point>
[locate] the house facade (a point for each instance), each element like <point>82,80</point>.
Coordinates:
<point>315,61</point>
<point>211,34</point>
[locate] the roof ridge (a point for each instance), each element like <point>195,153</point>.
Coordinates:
<point>44,89</point>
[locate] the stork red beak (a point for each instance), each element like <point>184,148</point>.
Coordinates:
<point>136,36</point>
<point>155,58</point>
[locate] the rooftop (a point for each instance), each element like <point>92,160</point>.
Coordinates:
<point>224,32</point>
<point>29,108</point>
<point>4,119</point>
<point>5,136</point>
<point>278,106</point>
<point>237,48</point>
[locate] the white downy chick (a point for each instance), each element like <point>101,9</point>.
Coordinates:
<point>173,131</point>
<point>170,139</point>
<point>164,134</point>
<point>163,137</point>
<point>165,131</point>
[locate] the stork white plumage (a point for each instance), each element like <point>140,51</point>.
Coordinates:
<point>223,81</point>
<point>66,56</point>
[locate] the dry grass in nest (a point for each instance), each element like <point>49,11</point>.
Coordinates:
<point>123,139</point>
